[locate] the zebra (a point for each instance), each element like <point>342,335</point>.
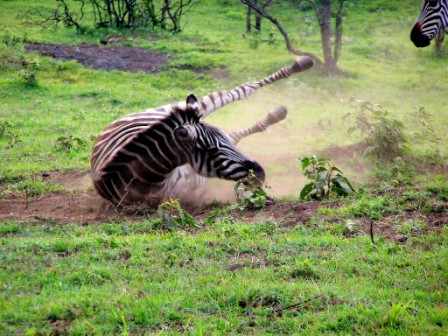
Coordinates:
<point>161,152</point>
<point>432,21</point>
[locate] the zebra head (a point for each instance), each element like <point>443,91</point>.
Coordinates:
<point>212,152</point>
<point>432,20</point>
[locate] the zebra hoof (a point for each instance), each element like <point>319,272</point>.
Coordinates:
<point>303,63</point>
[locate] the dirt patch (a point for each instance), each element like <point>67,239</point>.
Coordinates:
<point>104,57</point>
<point>79,203</point>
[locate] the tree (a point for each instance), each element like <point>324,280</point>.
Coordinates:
<point>119,14</point>
<point>258,17</point>
<point>331,41</point>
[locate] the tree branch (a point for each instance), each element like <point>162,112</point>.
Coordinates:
<point>274,20</point>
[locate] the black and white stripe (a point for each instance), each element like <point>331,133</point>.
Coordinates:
<point>433,20</point>
<point>157,153</point>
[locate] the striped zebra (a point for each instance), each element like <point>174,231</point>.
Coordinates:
<point>164,152</point>
<point>433,20</point>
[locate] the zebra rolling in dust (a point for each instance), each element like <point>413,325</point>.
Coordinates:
<point>166,152</point>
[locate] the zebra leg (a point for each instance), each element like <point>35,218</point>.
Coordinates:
<point>214,101</point>
<point>273,117</point>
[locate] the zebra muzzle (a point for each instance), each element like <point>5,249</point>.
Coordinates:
<point>420,40</point>
<point>256,174</point>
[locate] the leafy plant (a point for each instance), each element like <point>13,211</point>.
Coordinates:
<point>70,143</point>
<point>325,179</point>
<point>6,131</point>
<point>172,216</point>
<point>385,137</point>
<point>249,193</point>
<point>425,130</point>
<point>388,139</point>
<point>29,72</point>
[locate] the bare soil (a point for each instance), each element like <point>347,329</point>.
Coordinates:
<point>104,57</point>
<point>78,203</point>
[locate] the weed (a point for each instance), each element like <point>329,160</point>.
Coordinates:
<point>29,72</point>
<point>325,179</point>
<point>172,216</point>
<point>388,139</point>
<point>425,132</point>
<point>249,193</point>
<point>70,143</point>
<point>396,314</point>
<point>384,135</point>
<point>7,131</point>
<point>304,270</point>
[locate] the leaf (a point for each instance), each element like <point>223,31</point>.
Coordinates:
<point>341,185</point>
<point>306,190</point>
<point>305,162</point>
<point>247,194</point>
<point>333,168</point>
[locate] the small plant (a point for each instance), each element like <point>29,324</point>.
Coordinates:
<point>304,270</point>
<point>425,131</point>
<point>29,72</point>
<point>325,179</point>
<point>384,135</point>
<point>397,313</point>
<point>70,143</point>
<point>249,193</point>
<point>7,132</point>
<point>172,216</point>
<point>388,139</point>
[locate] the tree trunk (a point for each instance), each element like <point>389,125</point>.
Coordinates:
<point>324,17</point>
<point>248,20</point>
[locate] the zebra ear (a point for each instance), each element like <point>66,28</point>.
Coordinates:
<point>193,102</point>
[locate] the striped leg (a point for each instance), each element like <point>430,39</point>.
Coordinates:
<point>273,117</point>
<point>214,101</point>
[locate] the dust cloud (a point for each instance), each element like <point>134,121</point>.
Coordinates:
<point>311,128</point>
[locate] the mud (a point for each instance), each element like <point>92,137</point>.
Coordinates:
<point>104,57</point>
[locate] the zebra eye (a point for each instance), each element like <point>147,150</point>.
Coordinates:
<point>181,133</point>
<point>213,151</point>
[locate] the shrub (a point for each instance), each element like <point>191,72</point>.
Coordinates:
<point>325,179</point>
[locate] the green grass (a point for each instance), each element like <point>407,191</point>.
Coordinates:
<point>125,278</point>
<point>230,277</point>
